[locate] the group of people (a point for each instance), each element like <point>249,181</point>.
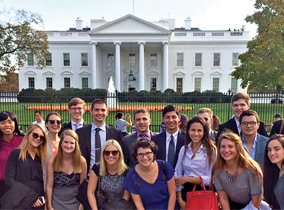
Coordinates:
<point>142,170</point>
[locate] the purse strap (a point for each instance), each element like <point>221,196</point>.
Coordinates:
<point>202,185</point>
<point>281,128</point>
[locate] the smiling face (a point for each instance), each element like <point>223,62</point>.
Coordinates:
<point>228,150</point>
<point>171,120</point>
<point>249,129</point>
<point>99,113</point>
<point>238,107</point>
<point>145,156</point>
<point>111,155</point>
<point>55,127</point>
<point>142,122</point>
<point>68,144</point>
<point>7,126</point>
<point>76,112</point>
<point>196,133</point>
<point>275,152</point>
<point>35,138</point>
<point>38,117</point>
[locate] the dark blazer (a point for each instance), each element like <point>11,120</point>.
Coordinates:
<point>160,140</point>
<point>231,124</point>
<point>276,128</point>
<point>69,126</point>
<point>127,146</point>
<point>85,139</point>
<point>260,149</point>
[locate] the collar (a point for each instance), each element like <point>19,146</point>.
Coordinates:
<point>175,135</point>
<point>74,123</point>
<point>103,127</point>
<point>148,134</point>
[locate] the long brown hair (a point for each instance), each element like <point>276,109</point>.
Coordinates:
<point>208,144</point>
<point>243,159</point>
<point>76,155</point>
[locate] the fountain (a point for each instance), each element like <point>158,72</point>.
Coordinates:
<point>111,95</point>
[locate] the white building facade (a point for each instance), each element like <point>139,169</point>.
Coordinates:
<point>139,55</point>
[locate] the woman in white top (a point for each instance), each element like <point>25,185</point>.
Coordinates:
<point>195,159</point>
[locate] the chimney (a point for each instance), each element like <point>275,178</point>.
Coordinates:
<point>79,24</point>
<point>187,23</point>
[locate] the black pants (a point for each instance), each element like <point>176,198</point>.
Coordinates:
<point>234,205</point>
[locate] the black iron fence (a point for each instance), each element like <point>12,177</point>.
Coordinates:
<point>24,106</point>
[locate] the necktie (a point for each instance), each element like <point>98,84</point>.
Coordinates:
<point>142,136</point>
<point>98,145</point>
<point>171,152</point>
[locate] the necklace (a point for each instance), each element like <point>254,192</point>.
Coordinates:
<point>231,177</point>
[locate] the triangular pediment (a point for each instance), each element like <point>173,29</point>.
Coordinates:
<point>129,24</point>
<point>216,73</point>
<point>48,73</point>
<point>30,73</point>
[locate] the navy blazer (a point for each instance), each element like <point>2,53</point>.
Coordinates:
<point>85,140</point>
<point>160,140</point>
<point>127,147</point>
<point>276,128</point>
<point>231,125</point>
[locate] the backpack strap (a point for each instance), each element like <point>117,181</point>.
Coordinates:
<point>281,128</point>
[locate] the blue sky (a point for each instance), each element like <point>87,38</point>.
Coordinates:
<point>205,14</point>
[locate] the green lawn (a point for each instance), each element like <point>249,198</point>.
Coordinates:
<point>222,110</point>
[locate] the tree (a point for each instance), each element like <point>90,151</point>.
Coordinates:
<point>262,66</point>
<point>18,38</point>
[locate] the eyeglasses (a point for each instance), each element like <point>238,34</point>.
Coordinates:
<point>114,153</point>
<point>36,135</point>
<point>252,123</point>
<point>74,109</point>
<point>147,154</point>
<point>53,121</point>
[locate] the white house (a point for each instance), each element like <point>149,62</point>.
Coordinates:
<point>139,55</point>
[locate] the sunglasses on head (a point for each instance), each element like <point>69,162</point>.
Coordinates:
<point>36,136</point>
<point>53,121</point>
<point>114,153</point>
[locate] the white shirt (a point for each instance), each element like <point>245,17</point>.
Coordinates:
<point>168,139</point>
<point>42,123</point>
<point>196,167</point>
<point>76,126</point>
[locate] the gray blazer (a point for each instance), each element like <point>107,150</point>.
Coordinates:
<point>127,147</point>
<point>260,149</point>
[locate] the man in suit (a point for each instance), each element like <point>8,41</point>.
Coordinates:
<point>93,137</point>
<point>76,108</point>
<point>240,103</point>
<point>207,114</point>
<point>172,140</point>
<point>141,121</point>
<point>253,142</point>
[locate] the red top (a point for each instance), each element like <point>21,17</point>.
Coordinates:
<point>7,148</point>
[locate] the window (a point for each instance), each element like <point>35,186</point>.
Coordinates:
<point>30,59</point>
<point>179,85</point>
<point>131,60</point>
<point>110,60</point>
<point>153,84</point>
<point>84,59</point>
<point>216,59</point>
<point>153,60</point>
<point>66,59</point>
<point>217,34</point>
<point>49,60</point>
<point>48,82</point>
<point>180,34</point>
<point>85,83</point>
<point>235,59</point>
<point>198,59</point>
<point>198,34</point>
<point>197,84</point>
<point>67,82</point>
<point>234,85</point>
<point>31,82</point>
<point>179,59</point>
<point>215,84</point>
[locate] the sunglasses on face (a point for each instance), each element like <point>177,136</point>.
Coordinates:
<point>36,136</point>
<point>53,121</point>
<point>114,153</point>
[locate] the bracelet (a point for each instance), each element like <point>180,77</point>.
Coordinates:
<point>178,197</point>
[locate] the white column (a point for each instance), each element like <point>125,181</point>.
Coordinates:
<point>94,65</point>
<point>141,66</point>
<point>165,66</point>
<point>117,66</point>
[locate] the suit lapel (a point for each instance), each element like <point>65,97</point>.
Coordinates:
<point>88,136</point>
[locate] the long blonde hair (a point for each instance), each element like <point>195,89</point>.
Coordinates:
<point>243,159</point>
<point>76,155</point>
<point>120,162</point>
<point>42,149</point>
